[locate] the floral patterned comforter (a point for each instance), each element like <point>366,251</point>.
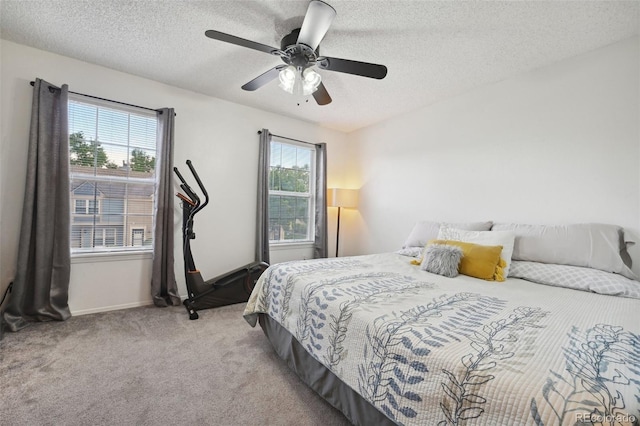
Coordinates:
<point>429,350</point>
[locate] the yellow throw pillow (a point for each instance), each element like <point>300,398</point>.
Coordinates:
<point>479,261</point>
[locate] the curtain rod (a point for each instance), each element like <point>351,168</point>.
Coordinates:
<point>32,83</point>
<point>291,139</point>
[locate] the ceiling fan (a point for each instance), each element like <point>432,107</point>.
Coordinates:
<point>300,53</point>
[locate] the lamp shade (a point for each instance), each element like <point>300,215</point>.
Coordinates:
<point>337,197</point>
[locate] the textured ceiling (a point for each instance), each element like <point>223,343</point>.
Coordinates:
<point>432,49</point>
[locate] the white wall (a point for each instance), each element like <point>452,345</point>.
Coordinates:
<point>560,144</point>
<point>219,137</point>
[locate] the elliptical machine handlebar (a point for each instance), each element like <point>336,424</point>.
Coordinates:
<point>195,200</point>
<point>194,203</point>
<point>202,188</point>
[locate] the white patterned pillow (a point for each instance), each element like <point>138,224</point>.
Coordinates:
<point>576,277</point>
<point>411,251</point>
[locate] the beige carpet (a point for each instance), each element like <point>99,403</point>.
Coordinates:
<point>152,366</point>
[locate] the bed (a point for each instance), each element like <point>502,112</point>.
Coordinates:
<point>389,343</point>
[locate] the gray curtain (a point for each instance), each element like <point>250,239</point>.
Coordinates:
<point>320,249</point>
<point>41,286</point>
<point>164,289</point>
<point>262,219</point>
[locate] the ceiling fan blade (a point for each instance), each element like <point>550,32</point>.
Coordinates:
<point>316,23</point>
<point>348,66</point>
<point>217,35</point>
<point>263,79</point>
<point>321,95</point>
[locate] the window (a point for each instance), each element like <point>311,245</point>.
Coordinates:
<point>105,237</point>
<point>87,206</point>
<point>112,152</point>
<point>291,192</point>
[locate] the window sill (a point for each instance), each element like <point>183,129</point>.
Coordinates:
<point>291,246</point>
<point>110,256</point>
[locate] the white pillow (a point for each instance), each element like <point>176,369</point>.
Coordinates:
<point>425,231</point>
<point>485,238</point>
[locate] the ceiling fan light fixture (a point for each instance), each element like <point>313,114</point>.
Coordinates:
<point>311,79</point>
<point>287,77</point>
<point>297,82</point>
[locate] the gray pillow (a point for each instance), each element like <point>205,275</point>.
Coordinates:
<point>591,245</point>
<point>442,260</point>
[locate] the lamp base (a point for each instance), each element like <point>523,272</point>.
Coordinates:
<point>338,232</point>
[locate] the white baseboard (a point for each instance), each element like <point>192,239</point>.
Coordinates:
<point>110,308</point>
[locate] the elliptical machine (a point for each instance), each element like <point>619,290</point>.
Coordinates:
<point>232,287</point>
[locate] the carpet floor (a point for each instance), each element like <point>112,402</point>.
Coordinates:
<point>152,366</point>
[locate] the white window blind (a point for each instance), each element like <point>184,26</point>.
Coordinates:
<point>112,172</point>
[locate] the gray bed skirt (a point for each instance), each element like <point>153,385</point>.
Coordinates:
<point>319,378</point>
